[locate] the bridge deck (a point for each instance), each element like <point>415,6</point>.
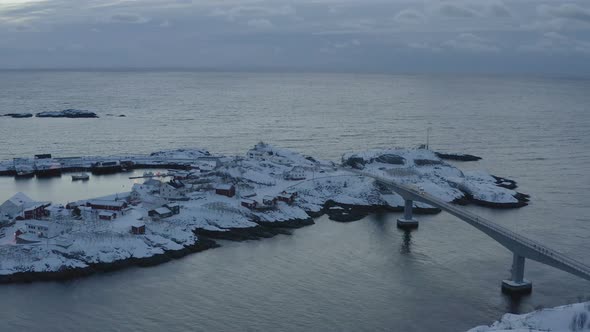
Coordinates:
<point>511,240</point>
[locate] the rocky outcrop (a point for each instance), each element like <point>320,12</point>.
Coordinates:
<point>19,115</point>
<point>265,229</point>
<point>69,113</point>
<point>73,273</point>
<point>457,156</point>
<point>348,213</point>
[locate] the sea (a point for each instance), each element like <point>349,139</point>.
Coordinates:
<point>361,276</point>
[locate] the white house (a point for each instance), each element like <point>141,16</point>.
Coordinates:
<point>39,228</point>
<point>256,154</point>
<point>17,204</point>
<point>152,185</point>
<point>142,191</point>
<point>168,191</point>
<point>296,173</point>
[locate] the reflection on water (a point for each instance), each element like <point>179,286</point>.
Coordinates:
<point>62,189</point>
<point>365,275</point>
<point>406,246</point>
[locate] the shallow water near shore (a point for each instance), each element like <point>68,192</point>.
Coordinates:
<point>365,275</point>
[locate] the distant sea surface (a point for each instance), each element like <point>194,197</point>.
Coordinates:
<point>366,275</point>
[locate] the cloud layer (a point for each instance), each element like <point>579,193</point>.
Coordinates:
<point>371,35</point>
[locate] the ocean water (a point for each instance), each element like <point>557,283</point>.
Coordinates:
<point>366,275</point>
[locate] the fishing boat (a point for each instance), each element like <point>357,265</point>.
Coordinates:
<point>24,168</point>
<point>106,167</point>
<point>25,174</point>
<point>46,166</point>
<point>82,177</point>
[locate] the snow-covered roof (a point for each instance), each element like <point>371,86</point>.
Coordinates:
<point>152,182</point>
<point>137,223</point>
<point>20,199</point>
<point>37,223</point>
<point>172,205</point>
<point>107,214</point>
<point>33,205</point>
<point>107,203</point>
<point>224,186</point>
<point>248,201</point>
<point>162,210</point>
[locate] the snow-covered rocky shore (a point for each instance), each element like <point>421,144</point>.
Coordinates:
<point>567,318</point>
<point>264,193</point>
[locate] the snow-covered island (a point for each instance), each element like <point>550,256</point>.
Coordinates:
<point>568,318</point>
<point>205,197</point>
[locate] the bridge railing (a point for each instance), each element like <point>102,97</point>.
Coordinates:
<point>531,244</point>
<point>534,245</point>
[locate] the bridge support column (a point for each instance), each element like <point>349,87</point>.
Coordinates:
<point>517,284</point>
<point>407,222</point>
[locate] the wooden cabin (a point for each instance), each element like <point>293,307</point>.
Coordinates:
<point>250,204</point>
<point>228,190</point>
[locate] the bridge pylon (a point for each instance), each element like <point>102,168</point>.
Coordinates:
<point>407,222</point>
<point>517,284</point>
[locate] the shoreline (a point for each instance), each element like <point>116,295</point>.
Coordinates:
<point>277,191</point>
<point>206,241</point>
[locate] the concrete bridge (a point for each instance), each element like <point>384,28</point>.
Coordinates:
<point>520,246</point>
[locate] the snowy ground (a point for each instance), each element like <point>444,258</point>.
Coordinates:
<point>262,173</point>
<point>568,318</point>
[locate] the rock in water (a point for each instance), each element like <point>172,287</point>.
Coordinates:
<point>457,156</point>
<point>19,115</point>
<point>69,113</point>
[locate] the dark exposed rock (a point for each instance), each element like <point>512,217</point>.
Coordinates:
<point>19,115</point>
<point>457,156</point>
<point>505,183</point>
<point>263,230</point>
<point>69,113</point>
<point>354,162</point>
<point>391,159</point>
<point>348,212</point>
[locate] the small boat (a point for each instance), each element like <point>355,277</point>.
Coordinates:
<point>25,174</point>
<point>76,177</point>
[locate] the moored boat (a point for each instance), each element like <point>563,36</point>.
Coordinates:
<point>25,174</point>
<point>46,169</point>
<point>106,167</point>
<point>83,177</point>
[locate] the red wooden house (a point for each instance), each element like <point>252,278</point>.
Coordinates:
<point>250,204</point>
<point>228,190</point>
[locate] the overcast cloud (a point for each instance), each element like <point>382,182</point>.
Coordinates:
<point>363,35</point>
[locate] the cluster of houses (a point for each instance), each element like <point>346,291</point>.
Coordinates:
<point>22,207</point>
<point>158,196</point>
<point>269,202</point>
<point>261,152</point>
<point>175,190</point>
<point>165,211</point>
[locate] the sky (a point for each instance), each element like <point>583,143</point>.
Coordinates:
<point>516,36</point>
